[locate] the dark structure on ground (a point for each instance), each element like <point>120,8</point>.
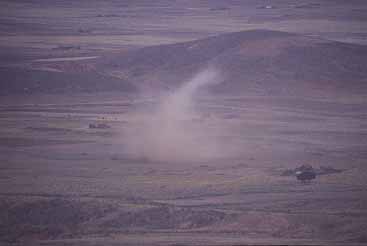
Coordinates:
<point>99,126</point>
<point>305,173</point>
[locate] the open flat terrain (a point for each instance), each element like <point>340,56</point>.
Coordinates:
<point>183,122</point>
<point>65,183</point>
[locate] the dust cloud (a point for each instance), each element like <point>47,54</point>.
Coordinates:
<point>175,130</point>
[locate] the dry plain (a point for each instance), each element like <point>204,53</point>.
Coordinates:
<point>87,159</point>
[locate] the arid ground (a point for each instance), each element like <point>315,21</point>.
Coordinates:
<point>140,123</point>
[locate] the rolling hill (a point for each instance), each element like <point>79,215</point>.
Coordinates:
<point>258,62</point>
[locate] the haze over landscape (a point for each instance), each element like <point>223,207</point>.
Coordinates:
<point>183,122</point>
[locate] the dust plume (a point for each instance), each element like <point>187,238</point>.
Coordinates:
<point>175,130</point>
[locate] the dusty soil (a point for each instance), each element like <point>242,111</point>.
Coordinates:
<point>62,182</point>
<point>290,98</point>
